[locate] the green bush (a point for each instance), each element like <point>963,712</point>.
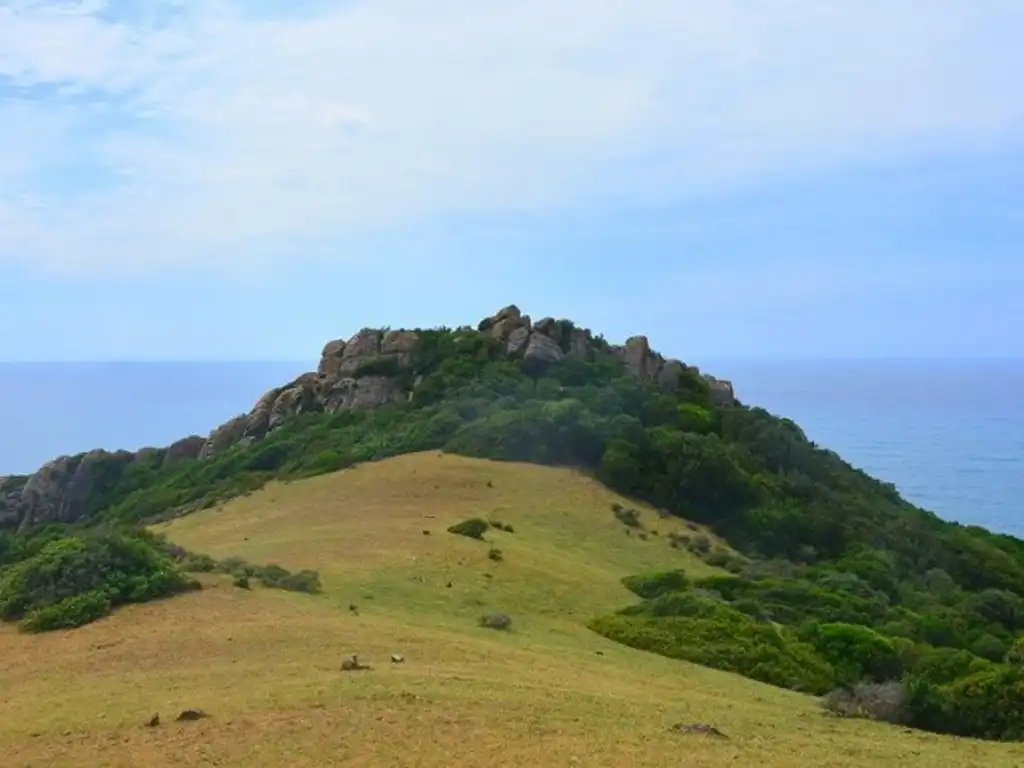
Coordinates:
<point>75,579</point>
<point>627,516</point>
<point>495,554</point>
<point>855,652</point>
<point>69,613</point>
<point>655,584</point>
<point>704,631</point>
<point>474,528</point>
<point>987,704</point>
<point>1015,655</point>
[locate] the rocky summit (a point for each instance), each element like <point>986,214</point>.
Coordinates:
<point>374,367</point>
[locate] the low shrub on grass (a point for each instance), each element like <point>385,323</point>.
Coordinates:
<point>474,528</point>
<point>499,621</point>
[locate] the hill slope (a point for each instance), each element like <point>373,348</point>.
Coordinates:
<point>838,583</point>
<point>265,663</point>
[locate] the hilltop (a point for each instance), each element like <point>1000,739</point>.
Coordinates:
<point>374,368</point>
<point>791,567</point>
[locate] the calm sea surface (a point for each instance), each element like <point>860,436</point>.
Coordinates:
<point>950,435</point>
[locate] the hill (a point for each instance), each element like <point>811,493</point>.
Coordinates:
<point>829,582</point>
<point>265,663</point>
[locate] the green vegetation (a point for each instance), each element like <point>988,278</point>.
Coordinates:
<point>817,630</point>
<point>473,528</point>
<point>271,576</point>
<point>54,579</point>
<point>839,581</point>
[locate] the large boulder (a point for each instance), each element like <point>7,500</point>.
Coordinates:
<point>365,392</point>
<point>542,351</point>
<point>722,393</point>
<point>187,448</point>
<point>330,358</point>
<point>224,436</point>
<point>360,348</point>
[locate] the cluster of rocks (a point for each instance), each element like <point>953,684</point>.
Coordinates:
<point>354,374</point>
<point>371,369</point>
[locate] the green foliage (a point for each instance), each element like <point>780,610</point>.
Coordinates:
<point>1015,655</point>
<point>65,581</point>
<point>706,631</point>
<point>271,576</point>
<point>656,584</point>
<point>627,515</point>
<point>474,528</point>
<point>988,704</point>
<point>855,652</point>
<point>495,554</point>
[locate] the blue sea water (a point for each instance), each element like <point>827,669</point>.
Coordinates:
<point>950,435</point>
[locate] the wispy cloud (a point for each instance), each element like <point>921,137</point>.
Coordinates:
<point>151,133</point>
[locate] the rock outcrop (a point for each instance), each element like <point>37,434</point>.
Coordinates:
<point>372,368</point>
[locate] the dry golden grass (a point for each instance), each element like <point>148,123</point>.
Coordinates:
<point>266,663</point>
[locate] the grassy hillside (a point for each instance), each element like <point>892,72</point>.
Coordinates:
<point>835,585</point>
<point>265,663</point>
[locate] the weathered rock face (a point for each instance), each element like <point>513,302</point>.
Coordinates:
<point>372,368</point>
<point>60,490</point>
<point>186,448</point>
<point>542,351</point>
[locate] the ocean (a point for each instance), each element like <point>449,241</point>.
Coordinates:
<point>949,435</point>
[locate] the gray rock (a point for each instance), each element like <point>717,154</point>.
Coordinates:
<point>366,392</point>
<point>300,397</point>
<point>669,374</point>
<point>330,358</point>
<point>517,342</point>
<point>542,351</point>
<point>721,391</point>
<point>400,344</point>
<point>511,312</point>
<point>224,436</point>
<point>186,448</point>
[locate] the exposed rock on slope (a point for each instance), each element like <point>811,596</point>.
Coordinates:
<point>373,368</point>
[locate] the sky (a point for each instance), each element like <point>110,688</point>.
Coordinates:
<point>245,180</point>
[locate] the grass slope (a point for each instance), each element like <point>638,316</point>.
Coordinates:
<point>265,663</point>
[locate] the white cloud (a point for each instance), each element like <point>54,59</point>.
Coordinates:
<point>194,131</point>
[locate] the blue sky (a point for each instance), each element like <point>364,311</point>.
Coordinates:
<point>766,178</point>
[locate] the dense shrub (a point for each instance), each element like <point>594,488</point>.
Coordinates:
<point>987,704</point>
<point>855,652</point>
<point>709,632</point>
<point>75,579</point>
<point>649,585</point>
<point>474,528</point>
<point>276,577</point>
